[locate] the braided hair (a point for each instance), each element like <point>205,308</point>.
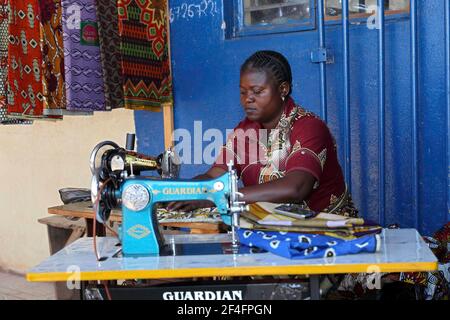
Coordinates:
<point>272,62</point>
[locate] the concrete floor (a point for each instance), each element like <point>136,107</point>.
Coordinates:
<point>16,287</point>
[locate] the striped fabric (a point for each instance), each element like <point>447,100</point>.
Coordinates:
<point>144,46</point>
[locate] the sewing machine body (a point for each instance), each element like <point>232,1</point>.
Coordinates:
<point>140,233</point>
<point>114,185</point>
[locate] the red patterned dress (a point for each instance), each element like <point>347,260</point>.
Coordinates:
<point>301,141</point>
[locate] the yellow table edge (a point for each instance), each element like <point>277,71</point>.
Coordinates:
<point>234,271</point>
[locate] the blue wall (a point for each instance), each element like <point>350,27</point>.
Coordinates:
<point>206,80</point>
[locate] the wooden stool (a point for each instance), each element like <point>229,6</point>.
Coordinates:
<point>62,231</point>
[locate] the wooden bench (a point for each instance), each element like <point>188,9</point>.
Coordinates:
<point>84,210</point>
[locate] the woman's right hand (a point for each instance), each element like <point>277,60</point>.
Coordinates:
<point>212,173</point>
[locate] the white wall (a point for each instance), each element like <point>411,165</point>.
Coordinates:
<point>35,162</point>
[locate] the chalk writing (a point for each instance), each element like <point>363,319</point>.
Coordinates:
<point>189,11</point>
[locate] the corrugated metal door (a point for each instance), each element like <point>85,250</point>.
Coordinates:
<point>385,97</point>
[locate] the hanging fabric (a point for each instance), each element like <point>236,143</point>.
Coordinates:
<point>24,60</point>
<point>53,57</point>
<point>110,53</point>
<point>143,31</point>
<point>83,72</point>
<point>307,246</point>
<point>4,20</point>
<point>3,57</point>
<point>25,98</point>
<point>3,51</point>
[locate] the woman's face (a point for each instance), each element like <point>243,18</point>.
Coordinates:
<point>260,98</point>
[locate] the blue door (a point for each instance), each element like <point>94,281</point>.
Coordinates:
<point>392,140</point>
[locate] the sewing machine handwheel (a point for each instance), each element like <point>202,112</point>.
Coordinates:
<point>93,161</point>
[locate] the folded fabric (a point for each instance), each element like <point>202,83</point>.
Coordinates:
<point>306,246</point>
<point>263,214</point>
<point>277,220</point>
<point>345,234</point>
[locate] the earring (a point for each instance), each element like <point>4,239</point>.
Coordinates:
<point>282,98</point>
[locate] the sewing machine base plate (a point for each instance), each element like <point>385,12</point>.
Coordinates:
<point>191,249</point>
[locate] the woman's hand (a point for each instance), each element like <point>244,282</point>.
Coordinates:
<point>189,205</point>
<point>212,173</point>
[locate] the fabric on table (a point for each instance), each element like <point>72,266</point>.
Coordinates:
<point>53,82</point>
<point>261,217</point>
<point>83,70</point>
<point>345,234</point>
<point>265,217</point>
<point>307,246</point>
<point>144,46</point>
<point>109,41</point>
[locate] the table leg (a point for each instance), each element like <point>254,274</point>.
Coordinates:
<point>314,284</point>
<point>100,228</point>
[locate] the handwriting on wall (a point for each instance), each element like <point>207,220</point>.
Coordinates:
<point>190,11</point>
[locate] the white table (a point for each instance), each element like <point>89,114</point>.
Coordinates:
<point>402,250</point>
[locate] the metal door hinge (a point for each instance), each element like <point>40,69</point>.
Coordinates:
<point>322,55</point>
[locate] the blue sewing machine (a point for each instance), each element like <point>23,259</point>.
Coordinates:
<point>114,185</point>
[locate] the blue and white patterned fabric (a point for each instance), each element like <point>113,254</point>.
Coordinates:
<point>306,246</point>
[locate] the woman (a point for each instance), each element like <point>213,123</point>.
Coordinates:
<point>282,153</point>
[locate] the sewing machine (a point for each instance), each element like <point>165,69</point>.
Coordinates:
<point>115,184</point>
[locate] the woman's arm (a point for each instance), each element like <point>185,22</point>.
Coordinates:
<point>294,187</point>
<point>212,173</point>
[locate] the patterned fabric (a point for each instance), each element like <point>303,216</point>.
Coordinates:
<point>436,285</point>
<point>307,246</point>
<point>202,215</point>
<point>144,45</point>
<point>442,237</point>
<point>4,119</point>
<point>110,53</point>
<point>262,217</point>
<point>53,57</point>
<point>300,141</point>
<point>25,97</point>
<point>3,57</point>
<point>4,21</point>
<point>83,70</point>
<point>426,285</point>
